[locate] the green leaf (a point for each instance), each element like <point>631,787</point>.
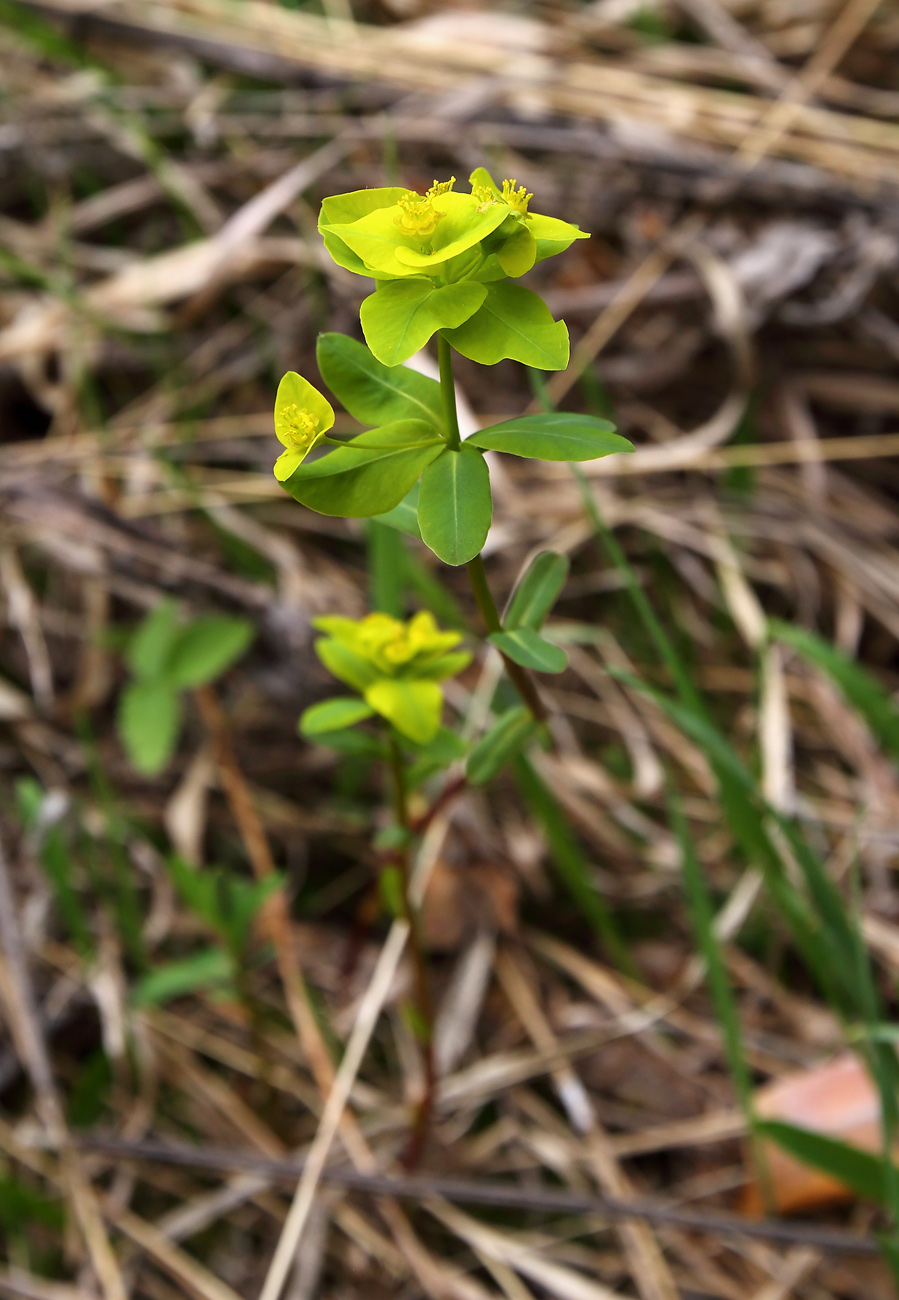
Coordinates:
<point>374,393</point>
<point>368,475</point>
<point>401,315</point>
<point>506,738</point>
<point>859,687</point>
<point>455,506</point>
<point>444,749</point>
<point>209,968</point>
<point>414,707</point>
<point>553,437</point>
<point>206,648</point>
<point>345,663</point>
<point>148,721</point>
<point>512,323</point>
<point>404,517</point>
<point>526,647</point>
<point>333,715</point>
<point>152,643</point>
<point>355,744</point>
<point>537,591</point>
<point>861,1171</point>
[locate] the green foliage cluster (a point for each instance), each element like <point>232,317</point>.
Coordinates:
<point>167,657</point>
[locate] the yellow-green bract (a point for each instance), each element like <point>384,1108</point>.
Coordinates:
<point>485,235</point>
<point>302,417</point>
<point>396,667</point>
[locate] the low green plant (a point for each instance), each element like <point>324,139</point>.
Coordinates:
<point>445,266</point>
<point>166,657</point>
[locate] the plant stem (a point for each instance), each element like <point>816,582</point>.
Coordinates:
<point>523,680</point>
<point>448,389</point>
<point>423,1021</point>
<point>524,683</point>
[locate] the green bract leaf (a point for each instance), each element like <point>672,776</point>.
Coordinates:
<point>374,393</point>
<point>342,209</point>
<point>370,474</point>
<point>438,670</point>
<point>400,317</point>
<point>403,241</point>
<point>502,742</point>
<point>553,437</point>
<point>455,506</point>
<point>205,648</point>
<point>333,715</point>
<point>152,643</point>
<point>518,252</point>
<point>413,707</point>
<point>526,647</point>
<point>209,968</point>
<point>345,663</point>
<point>302,417</point>
<point>537,592</point>
<point>148,720</point>
<point>404,517</point>
<point>512,323</point>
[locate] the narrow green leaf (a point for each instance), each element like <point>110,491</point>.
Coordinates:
<point>455,506</point>
<point>504,740</point>
<point>861,1171</point>
<point>553,437</point>
<point>206,648</point>
<point>526,647</point>
<point>149,718</point>
<point>860,688</point>
<point>210,968</point>
<point>512,323</point>
<point>537,591</point>
<point>569,860</point>
<point>401,315</point>
<point>374,393</point>
<point>370,474</point>
<point>333,715</point>
<point>386,567</point>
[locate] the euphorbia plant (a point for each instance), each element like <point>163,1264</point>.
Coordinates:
<point>444,264</point>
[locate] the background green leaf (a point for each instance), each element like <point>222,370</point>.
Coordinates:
<point>537,591</point>
<point>502,742</point>
<point>149,717</point>
<point>528,648</point>
<point>455,506</point>
<point>333,715</point>
<point>152,643</point>
<point>206,648</point>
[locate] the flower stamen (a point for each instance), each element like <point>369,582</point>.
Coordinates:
<point>516,196</point>
<point>299,428</point>
<point>418,216</point>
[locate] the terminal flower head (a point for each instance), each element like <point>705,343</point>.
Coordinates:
<point>302,417</point>
<point>396,666</point>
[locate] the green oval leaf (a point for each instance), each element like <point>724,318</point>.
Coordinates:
<point>333,715</point>
<point>526,647</point>
<point>401,315</point>
<point>205,648</point>
<point>149,649</point>
<point>370,474</point>
<point>537,592</point>
<point>513,323</point>
<point>148,721</point>
<point>553,437</point>
<point>497,746</point>
<point>374,393</point>
<point>455,506</point>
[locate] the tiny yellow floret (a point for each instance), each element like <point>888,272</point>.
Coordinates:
<point>516,196</point>
<point>298,428</point>
<point>440,187</point>
<point>418,216</point>
<point>485,197</point>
